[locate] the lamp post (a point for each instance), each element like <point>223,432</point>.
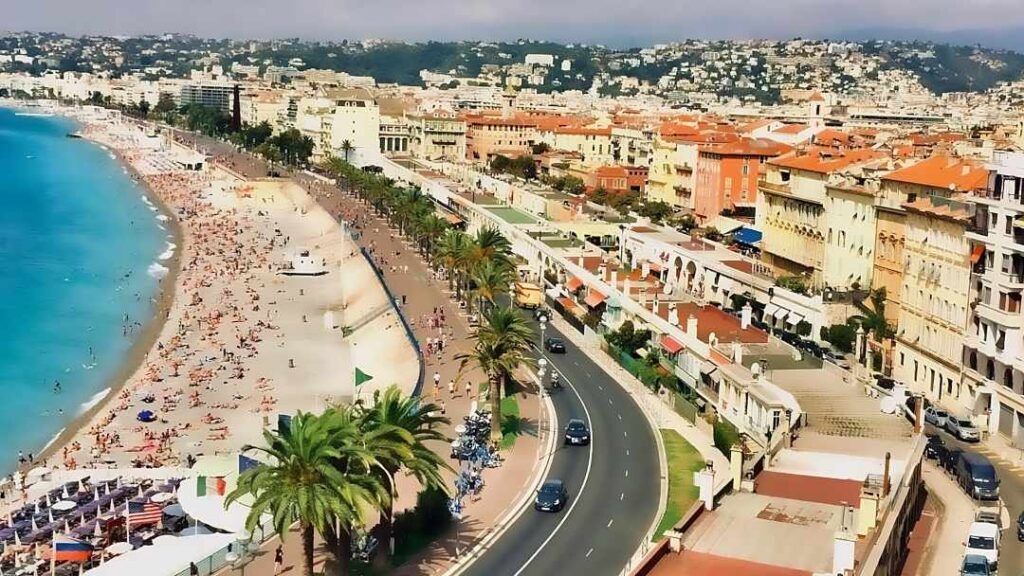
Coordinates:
<point>543,326</point>
<point>542,369</point>
<point>391,527</point>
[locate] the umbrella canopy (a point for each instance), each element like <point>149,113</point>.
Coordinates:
<point>146,416</point>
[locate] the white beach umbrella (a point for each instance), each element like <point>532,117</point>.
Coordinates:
<point>96,493</point>
<point>10,520</point>
<point>98,530</point>
<point>66,495</point>
<point>48,501</point>
<point>67,526</point>
<point>17,540</point>
<point>81,519</point>
<point>34,526</point>
<point>49,515</point>
<point>112,506</point>
<point>37,507</point>
<point>81,485</point>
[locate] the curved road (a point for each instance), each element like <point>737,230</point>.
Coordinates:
<point>613,484</point>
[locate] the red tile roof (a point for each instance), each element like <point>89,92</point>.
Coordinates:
<point>808,488</point>
<point>943,171</point>
<point>693,563</point>
<point>824,161</point>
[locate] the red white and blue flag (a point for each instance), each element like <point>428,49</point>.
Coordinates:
<point>67,549</point>
<point>140,513</point>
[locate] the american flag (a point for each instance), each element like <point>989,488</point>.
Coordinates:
<point>144,513</point>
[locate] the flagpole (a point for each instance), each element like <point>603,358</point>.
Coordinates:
<point>127,523</point>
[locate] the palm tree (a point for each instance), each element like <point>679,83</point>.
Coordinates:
<point>490,243</point>
<point>430,229</point>
<point>452,250</point>
<point>491,278</point>
<point>347,148</point>
<point>411,425</point>
<point>301,483</point>
<point>502,346</point>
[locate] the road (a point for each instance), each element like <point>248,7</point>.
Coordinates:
<point>1011,490</point>
<point>613,485</point>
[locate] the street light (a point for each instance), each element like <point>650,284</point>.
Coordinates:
<point>391,520</point>
<point>543,326</point>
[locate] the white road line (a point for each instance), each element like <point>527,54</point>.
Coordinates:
<point>620,416</point>
<point>576,500</point>
<point>610,401</point>
<point>589,552</point>
<point>627,472</point>
<point>599,387</point>
<point>622,495</point>
<point>610,523</point>
<point>627,451</point>
<point>626,434</point>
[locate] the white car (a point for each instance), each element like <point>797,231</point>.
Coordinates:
<point>935,416</point>
<point>962,429</point>
<point>983,540</point>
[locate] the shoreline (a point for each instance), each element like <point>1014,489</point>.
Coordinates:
<point>135,357</point>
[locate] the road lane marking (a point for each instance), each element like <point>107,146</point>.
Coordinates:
<point>627,472</point>
<point>589,552</point>
<point>620,416</point>
<point>627,451</point>
<point>583,486</point>
<point>626,434</point>
<point>610,401</point>
<point>599,387</point>
<point>622,495</point>
<point>610,523</point>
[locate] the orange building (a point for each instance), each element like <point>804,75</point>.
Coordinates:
<point>727,175</point>
<point>487,136</point>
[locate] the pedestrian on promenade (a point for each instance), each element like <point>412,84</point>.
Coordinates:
<point>451,388</point>
<point>278,559</point>
<point>469,389</point>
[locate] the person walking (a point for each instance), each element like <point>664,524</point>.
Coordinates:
<point>278,559</point>
<point>451,388</point>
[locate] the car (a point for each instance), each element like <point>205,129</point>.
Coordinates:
<point>551,497</point>
<point>990,516</point>
<point>577,433</point>
<point>789,338</point>
<point>1020,527</point>
<point>810,347</point>
<point>554,345</point>
<point>962,429</point>
<point>936,416</point>
<point>935,447</point>
<point>977,476</point>
<point>884,382</point>
<point>975,565</point>
<point>983,540</point>
<point>541,314</point>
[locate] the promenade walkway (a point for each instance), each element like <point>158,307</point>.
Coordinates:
<point>408,276</point>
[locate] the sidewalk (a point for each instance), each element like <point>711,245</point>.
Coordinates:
<point>504,486</point>
<point>945,548</point>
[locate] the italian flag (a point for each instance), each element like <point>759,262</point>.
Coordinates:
<point>210,485</point>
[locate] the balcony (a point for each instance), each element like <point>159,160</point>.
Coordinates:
<point>1006,318</point>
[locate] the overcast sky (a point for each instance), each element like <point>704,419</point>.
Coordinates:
<point>616,22</point>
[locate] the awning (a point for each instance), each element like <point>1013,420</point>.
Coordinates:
<point>711,371</point>
<point>769,310</point>
<point>977,252</point>
<point>670,344</point>
<point>453,219</point>
<point>573,284</point>
<point>594,298</point>
<point>747,236</point>
<point>780,313</point>
<point>794,318</point>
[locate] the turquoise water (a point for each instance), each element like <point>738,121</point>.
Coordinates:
<point>76,243</point>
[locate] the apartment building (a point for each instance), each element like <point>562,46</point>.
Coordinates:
<point>727,175</point>
<point>258,106</point>
<point>815,209</point>
<point>437,137</point>
<point>993,355</point>
<point>488,136</point>
<point>934,299</point>
<point>212,94</point>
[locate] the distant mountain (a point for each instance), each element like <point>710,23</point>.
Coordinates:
<point>998,39</point>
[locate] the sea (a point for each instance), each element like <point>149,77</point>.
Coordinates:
<point>82,249</point>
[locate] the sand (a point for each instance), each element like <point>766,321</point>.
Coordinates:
<point>240,341</point>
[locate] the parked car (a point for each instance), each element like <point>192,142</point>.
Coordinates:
<point>935,416</point>
<point>962,429</point>
<point>977,476</point>
<point>554,345</point>
<point>990,515</point>
<point>810,347</point>
<point>789,338</point>
<point>935,447</point>
<point>975,565</point>
<point>983,540</point>
<point>577,433</point>
<point>540,313</point>
<point>1020,527</point>
<point>884,382</point>
<point>551,497</point>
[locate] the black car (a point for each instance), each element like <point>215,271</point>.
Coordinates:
<point>541,314</point>
<point>810,347</point>
<point>1020,527</point>
<point>577,433</point>
<point>789,338</point>
<point>551,497</point>
<point>949,458</point>
<point>554,345</point>
<point>935,447</point>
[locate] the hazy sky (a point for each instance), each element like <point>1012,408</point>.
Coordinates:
<point>612,21</point>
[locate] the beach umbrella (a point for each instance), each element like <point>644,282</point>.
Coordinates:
<point>118,481</point>
<point>66,495</point>
<point>140,489</point>
<point>48,501</point>
<point>37,507</point>
<point>81,519</point>
<point>112,507</point>
<point>81,485</point>
<point>34,526</point>
<point>96,493</point>
<point>49,514</point>
<point>17,539</point>
<point>67,526</point>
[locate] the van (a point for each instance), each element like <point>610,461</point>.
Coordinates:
<point>977,476</point>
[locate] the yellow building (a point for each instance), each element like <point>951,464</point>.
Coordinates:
<point>934,300</point>
<point>888,265</point>
<point>816,214</point>
<point>670,178</point>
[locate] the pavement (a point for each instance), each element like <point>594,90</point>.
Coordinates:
<point>504,486</point>
<point>1008,464</point>
<point>944,550</point>
<point>614,483</point>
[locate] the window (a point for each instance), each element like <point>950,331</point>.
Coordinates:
<point>1009,224</point>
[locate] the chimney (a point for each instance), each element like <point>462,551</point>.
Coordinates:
<point>745,315</point>
<point>691,325</point>
<point>645,269</point>
<point>918,412</point>
<point>627,288</point>
<point>615,279</point>
<point>886,478</point>
<point>737,352</point>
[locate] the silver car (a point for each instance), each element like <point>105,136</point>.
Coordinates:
<point>962,429</point>
<point>935,416</point>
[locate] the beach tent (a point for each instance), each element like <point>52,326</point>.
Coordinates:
<point>168,557</point>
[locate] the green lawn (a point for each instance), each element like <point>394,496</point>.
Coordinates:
<point>683,460</point>
<point>511,423</point>
<point>512,215</point>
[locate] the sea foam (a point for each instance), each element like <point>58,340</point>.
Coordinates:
<point>92,402</point>
<point>157,271</point>
<point>168,253</point>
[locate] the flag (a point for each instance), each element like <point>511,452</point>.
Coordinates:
<point>206,485</point>
<point>67,549</point>
<point>140,513</point>
<point>362,377</point>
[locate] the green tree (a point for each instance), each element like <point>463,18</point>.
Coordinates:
<point>502,345</point>
<point>490,279</point>
<point>346,148</point>
<point>299,481</point>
